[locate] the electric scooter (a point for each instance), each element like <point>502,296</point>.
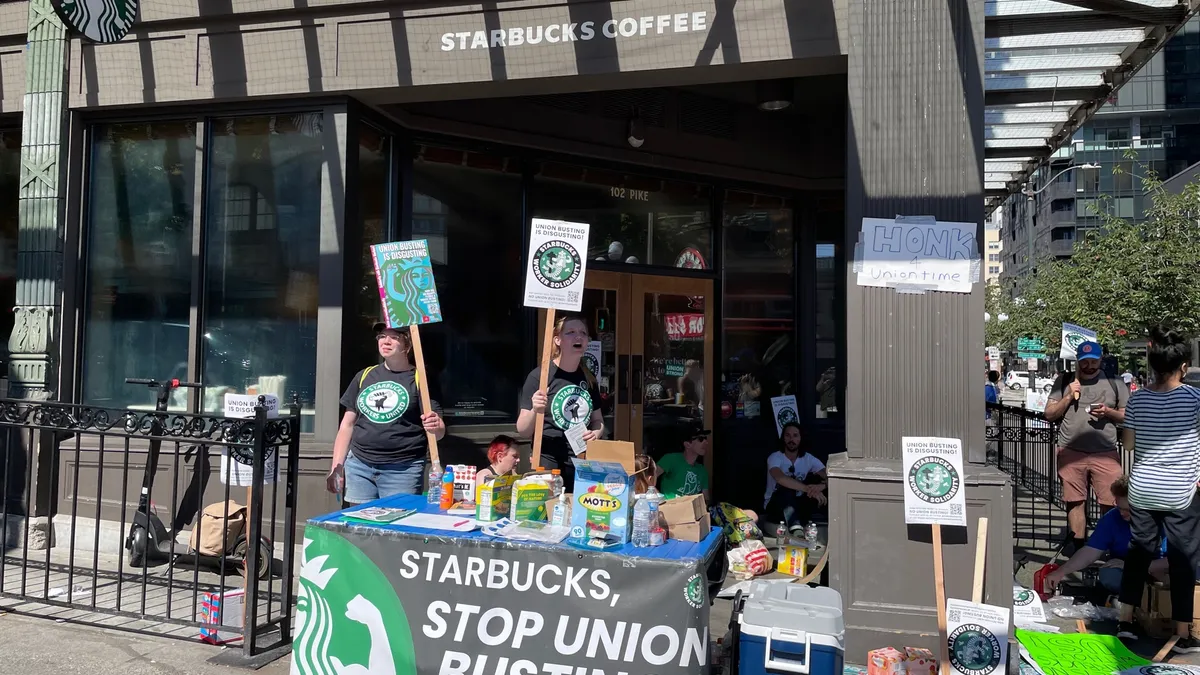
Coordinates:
<point>150,543</point>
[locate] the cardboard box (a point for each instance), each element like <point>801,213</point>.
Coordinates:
<point>792,560</point>
<point>684,509</point>
<point>920,661</point>
<point>493,499</point>
<point>694,531</point>
<point>529,499</point>
<point>603,502</point>
<point>616,452</point>
<point>218,610</point>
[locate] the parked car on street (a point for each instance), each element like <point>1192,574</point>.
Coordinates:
<point>1019,379</point>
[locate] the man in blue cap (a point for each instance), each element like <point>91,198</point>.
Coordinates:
<point>1088,405</point>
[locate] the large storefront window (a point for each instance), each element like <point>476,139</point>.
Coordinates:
<point>758,334</point>
<point>139,279</point>
<point>374,186</point>
<point>10,176</point>
<point>468,205</point>
<point>830,299</point>
<point>634,219</point>
<point>262,246</point>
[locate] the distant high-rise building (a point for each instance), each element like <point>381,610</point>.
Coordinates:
<point>1152,124</point>
<point>994,243</point>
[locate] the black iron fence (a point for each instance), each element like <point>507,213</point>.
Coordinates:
<point>103,520</point>
<point>1023,444</point>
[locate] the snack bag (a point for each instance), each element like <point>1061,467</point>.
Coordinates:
<point>737,524</point>
<point>749,559</point>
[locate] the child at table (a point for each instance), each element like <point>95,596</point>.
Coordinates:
<point>502,455</point>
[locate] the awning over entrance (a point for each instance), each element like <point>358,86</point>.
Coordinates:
<point>1050,65</point>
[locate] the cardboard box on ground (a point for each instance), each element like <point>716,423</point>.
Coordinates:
<point>1155,612</point>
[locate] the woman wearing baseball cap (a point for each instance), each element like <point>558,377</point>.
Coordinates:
<point>381,445</point>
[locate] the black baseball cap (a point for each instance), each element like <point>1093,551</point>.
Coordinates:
<point>696,430</point>
<point>380,326</point>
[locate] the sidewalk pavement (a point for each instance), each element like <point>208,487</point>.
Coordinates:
<point>37,646</point>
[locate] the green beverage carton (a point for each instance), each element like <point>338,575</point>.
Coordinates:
<point>529,495</point>
<point>603,505</point>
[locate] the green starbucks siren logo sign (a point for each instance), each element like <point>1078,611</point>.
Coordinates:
<point>787,415</point>
<point>1163,669</point>
<point>98,20</point>
<point>1023,598</point>
<point>556,264</point>
<point>571,405</point>
<point>348,618</point>
<point>974,650</point>
<point>934,480</point>
<point>383,402</point>
<point>693,592</point>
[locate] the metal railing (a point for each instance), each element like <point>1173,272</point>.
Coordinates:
<point>82,534</point>
<point>1023,444</point>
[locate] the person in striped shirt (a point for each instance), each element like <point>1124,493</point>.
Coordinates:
<point>1162,428</point>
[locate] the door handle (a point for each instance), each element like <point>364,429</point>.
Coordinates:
<point>623,379</point>
<point>636,380</point>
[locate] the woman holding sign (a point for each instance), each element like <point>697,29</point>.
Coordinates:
<point>571,399</point>
<point>381,445</point>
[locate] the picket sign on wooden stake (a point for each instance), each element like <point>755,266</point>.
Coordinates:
<point>939,587</point>
<point>980,560</point>
<point>543,380</point>
<point>414,334</point>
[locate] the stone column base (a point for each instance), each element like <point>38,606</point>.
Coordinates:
<point>40,533</point>
<point>884,568</point>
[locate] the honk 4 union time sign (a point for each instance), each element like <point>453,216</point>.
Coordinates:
<point>613,29</point>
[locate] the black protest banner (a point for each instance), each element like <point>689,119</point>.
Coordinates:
<point>393,602</point>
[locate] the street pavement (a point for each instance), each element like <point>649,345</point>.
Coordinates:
<point>39,646</point>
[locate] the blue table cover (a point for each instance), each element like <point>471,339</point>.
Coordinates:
<point>673,550</point>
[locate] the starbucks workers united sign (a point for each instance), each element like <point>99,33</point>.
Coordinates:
<point>98,20</point>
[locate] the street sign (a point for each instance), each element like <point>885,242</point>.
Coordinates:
<point>1031,355</point>
<point>1030,345</point>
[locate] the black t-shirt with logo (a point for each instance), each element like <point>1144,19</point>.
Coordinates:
<point>570,400</point>
<point>388,428</point>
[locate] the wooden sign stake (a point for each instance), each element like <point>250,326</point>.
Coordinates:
<point>980,560</point>
<point>543,380</point>
<point>1166,650</point>
<point>414,334</point>
<point>939,587</point>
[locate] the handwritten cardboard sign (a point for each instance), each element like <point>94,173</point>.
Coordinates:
<point>917,254</point>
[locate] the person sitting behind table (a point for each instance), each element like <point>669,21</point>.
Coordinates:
<point>795,482</point>
<point>502,457</point>
<point>644,470</point>
<point>1112,536</point>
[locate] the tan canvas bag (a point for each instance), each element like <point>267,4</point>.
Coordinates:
<point>219,528</point>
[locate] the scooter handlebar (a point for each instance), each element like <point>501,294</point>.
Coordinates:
<point>139,380</point>
<point>174,384</point>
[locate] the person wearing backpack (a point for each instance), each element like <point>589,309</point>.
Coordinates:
<point>381,445</point>
<point>1088,408</point>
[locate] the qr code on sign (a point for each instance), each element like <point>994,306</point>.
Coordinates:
<point>572,296</point>
<point>953,616</point>
<point>956,509</point>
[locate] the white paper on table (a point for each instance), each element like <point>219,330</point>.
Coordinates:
<point>1027,606</point>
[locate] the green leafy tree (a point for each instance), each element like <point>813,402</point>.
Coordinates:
<point>1123,278</point>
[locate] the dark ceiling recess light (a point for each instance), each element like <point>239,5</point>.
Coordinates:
<point>774,95</point>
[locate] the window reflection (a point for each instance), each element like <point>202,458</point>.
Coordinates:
<point>139,278</point>
<point>758,312</point>
<point>468,205</point>
<point>828,318</point>
<point>262,244</point>
<point>634,219</point>
<point>374,209</point>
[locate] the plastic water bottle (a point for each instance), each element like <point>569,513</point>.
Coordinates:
<point>655,497</point>
<point>562,512</point>
<point>658,535</point>
<point>434,496</point>
<point>447,501</point>
<point>810,532</point>
<point>556,483</point>
<point>641,523</point>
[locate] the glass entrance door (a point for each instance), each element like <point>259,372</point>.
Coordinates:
<point>654,368</point>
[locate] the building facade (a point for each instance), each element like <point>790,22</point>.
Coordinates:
<point>198,200</point>
<point>993,237</point>
<point>1150,126</point>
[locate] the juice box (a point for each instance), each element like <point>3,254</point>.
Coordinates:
<point>792,560</point>
<point>529,496</point>
<point>494,498</point>
<point>603,502</point>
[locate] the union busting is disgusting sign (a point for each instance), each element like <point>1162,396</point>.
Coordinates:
<point>386,604</point>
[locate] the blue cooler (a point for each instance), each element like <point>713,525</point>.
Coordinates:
<point>791,628</point>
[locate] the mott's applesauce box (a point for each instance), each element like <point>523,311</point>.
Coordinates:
<point>494,498</point>
<point>603,502</point>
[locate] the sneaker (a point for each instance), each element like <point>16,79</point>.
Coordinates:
<point>1187,645</point>
<point>1128,630</point>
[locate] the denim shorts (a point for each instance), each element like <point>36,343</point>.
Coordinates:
<point>368,482</point>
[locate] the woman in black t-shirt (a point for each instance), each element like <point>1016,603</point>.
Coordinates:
<point>571,398</point>
<point>381,446</point>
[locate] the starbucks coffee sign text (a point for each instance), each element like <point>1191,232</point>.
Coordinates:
<point>626,27</point>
